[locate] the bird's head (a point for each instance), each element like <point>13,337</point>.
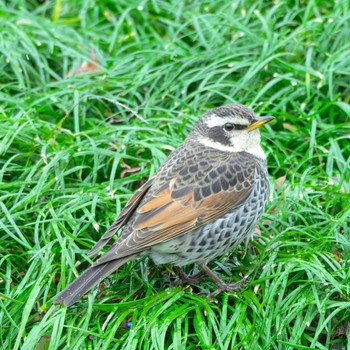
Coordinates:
<point>232,128</point>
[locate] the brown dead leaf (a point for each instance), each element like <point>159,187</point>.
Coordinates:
<point>87,67</point>
<point>257,231</point>
<point>102,286</point>
<point>280,182</point>
<point>338,256</point>
<point>128,169</point>
<point>115,147</point>
<point>274,209</point>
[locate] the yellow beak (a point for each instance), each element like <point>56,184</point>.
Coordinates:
<point>259,121</point>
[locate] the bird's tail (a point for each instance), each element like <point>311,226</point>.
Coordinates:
<point>90,277</point>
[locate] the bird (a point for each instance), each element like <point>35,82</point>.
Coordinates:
<point>204,200</point>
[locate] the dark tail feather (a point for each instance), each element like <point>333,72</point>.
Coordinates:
<point>90,277</point>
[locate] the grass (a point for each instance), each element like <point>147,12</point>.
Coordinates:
<point>66,141</point>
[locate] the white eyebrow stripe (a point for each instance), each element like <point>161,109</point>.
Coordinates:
<point>239,146</point>
<point>214,120</point>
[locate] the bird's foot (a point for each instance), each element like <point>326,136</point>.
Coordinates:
<point>183,278</point>
<point>229,287</point>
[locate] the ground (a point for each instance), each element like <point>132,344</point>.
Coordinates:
<point>94,96</point>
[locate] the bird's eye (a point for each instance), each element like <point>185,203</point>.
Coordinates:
<point>229,127</point>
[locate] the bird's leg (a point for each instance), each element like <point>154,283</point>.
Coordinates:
<point>189,279</point>
<point>223,287</point>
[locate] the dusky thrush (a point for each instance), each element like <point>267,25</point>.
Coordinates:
<point>204,200</point>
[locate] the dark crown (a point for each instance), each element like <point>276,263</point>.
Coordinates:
<point>232,110</point>
<point>224,111</point>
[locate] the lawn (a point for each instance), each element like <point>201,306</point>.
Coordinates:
<point>95,95</point>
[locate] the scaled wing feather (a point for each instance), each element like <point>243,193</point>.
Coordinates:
<point>161,217</point>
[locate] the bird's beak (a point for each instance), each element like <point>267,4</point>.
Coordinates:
<point>259,121</point>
